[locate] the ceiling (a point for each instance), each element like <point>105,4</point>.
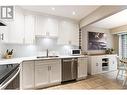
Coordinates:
<point>113,21</point>
<point>74,12</point>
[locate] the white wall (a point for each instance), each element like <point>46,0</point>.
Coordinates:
<point>95,29</point>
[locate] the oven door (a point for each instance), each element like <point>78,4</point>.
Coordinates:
<point>8,74</point>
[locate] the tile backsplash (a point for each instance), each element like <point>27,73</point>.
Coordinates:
<point>23,50</point>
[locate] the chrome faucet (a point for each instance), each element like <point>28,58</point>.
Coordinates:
<point>47,53</point>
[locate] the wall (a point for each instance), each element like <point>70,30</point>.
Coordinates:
<point>22,50</point>
<point>95,29</point>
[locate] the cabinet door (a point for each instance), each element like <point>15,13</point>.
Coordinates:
<point>46,26</point>
<point>69,30</point>
<point>112,63</point>
<point>52,27</point>
<point>16,27</point>
<point>74,34</point>
<point>99,65</point>
<point>40,25</point>
<point>41,74</point>
<point>82,67</point>
<point>29,35</point>
<point>55,71</point>
<point>28,74</point>
<point>96,65</point>
<point>3,34</point>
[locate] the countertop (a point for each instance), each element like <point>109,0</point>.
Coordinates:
<point>33,58</point>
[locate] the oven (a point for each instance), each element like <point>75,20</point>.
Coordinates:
<point>8,72</point>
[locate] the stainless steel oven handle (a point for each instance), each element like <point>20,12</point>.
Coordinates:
<point>5,84</point>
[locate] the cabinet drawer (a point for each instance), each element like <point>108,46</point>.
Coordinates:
<point>38,63</point>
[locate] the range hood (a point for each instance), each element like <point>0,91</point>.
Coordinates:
<point>2,24</point>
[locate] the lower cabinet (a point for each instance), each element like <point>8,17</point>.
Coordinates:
<point>44,73</point>
<point>113,63</point>
<point>47,72</point>
<point>82,67</point>
<point>102,63</point>
<point>41,74</point>
<point>27,75</point>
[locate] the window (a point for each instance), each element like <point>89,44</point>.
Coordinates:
<point>123,45</point>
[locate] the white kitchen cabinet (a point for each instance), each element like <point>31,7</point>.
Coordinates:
<point>97,64</point>
<point>68,33</point>
<point>46,26</point>
<point>82,67</point>
<point>113,63</point>
<point>27,73</point>
<point>3,34</point>
<point>55,72</point>
<point>29,34</point>
<point>75,34</point>
<point>41,74</point>
<point>16,27</point>
<point>47,72</point>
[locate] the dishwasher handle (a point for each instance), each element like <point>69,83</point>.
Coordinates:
<point>70,60</point>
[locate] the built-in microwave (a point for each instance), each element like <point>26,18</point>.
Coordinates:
<point>75,52</point>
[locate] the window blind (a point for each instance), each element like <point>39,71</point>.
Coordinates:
<point>124,45</point>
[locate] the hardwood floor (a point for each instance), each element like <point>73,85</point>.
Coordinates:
<point>96,82</point>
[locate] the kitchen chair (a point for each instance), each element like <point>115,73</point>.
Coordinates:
<point>122,67</point>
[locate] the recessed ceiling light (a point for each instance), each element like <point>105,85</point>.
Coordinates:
<point>73,13</point>
<point>53,8</point>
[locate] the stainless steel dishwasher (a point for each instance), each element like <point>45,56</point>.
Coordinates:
<point>69,69</point>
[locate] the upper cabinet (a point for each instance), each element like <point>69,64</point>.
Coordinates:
<point>68,33</point>
<point>29,35</point>
<point>16,27</point>
<point>21,28</point>
<point>26,25</point>
<point>46,26</point>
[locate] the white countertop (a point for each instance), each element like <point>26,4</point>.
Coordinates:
<point>34,58</point>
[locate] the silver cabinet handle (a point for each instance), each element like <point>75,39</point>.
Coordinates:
<point>2,36</point>
<point>50,68</point>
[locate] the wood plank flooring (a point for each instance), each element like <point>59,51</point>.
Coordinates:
<point>106,81</point>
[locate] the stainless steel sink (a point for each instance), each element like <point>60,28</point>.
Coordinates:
<point>47,56</point>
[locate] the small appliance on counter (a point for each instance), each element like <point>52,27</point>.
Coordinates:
<point>76,52</point>
<point>8,54</point>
